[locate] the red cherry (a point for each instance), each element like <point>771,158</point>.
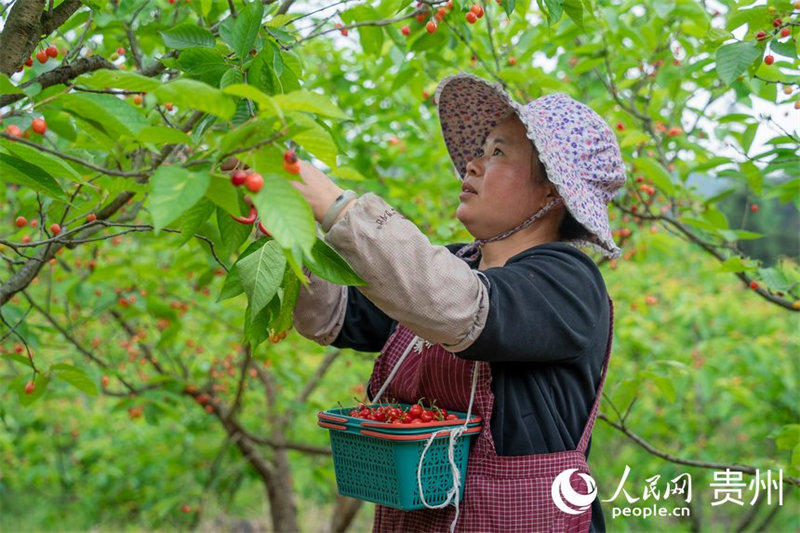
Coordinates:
<point>760,36</point>
<point>512,61</point>
<point>21,222</point>
<point>41,56</point>
<point>51,51</point>
<point>477,9</point>
<point>91,218</point>
<point>39,126</point>
<point>440,13</point>
<point>471,17</point>
<point>292,168</point>
<point>430,27</point>
<point>785,32</point>
<point>254,182</point>
<point>405,30</point>
<point>290,156</point>
<point>421,17</point>
<point>29,62</point>
<point>29,387</point>
<point>777,23</point>
<point>769,59</point>
<point>620,126</point>
<point>754,285</point>
<point>754,208</point>
<point>239,177</point>
<point>55,229</point>
<point>14,130</point>
<point>121,51</point>
<point>34,223</point>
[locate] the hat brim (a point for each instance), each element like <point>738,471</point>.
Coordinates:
<point>470,108</point>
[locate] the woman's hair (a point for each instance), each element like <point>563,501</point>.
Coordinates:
<point>570,229</point>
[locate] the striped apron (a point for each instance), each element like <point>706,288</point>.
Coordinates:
<point>501,493</point>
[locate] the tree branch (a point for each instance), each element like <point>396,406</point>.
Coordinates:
<point>60,75</point>
<point>688,462</point>
<point>52,20</point>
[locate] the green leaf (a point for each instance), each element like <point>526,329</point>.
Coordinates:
<point>736,264</point>
<point>21,359</point>
<point>264,101</point>
<point>347,173</point>
<point>774,279</point>
<point>15,170</point>
<point>163,135</point>
<point>285,213</point>
<point>330,266</point>
<point>240,33</point>
<point>753,175</point>
<point>75,377</point>
<point>233,233</point>
<point>733,59</point>
<point>261,273</point>
<point>221,193</point>
<point>188,35</point>
<point>232,286</point>
<point>203,64</point>
<point>303,100</point>
<point>193,94</point>
<point>289,293</point>
<point>194,218</point>
<point>175,190</point>
<point>117,79</point>
<point>508,6</point>
<point>315,139</point>
<point>7,87</point>
<point>117,117</point>
<point>256,326</point>
<point>51,164</point>
<point>787,436</point>
<point>653,170</point>
<point>554,10</point>
<point>787,49</point>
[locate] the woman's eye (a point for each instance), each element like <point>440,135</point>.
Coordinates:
<point>496,151</point>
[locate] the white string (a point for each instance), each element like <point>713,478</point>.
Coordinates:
<point>455,433</point>
<point>413,343</point>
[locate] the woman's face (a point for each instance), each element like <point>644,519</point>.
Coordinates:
<point>506,193</point>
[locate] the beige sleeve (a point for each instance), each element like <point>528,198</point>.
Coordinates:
<point>422,286</point>
<point>320,310</point>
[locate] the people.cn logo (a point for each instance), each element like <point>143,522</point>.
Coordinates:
<point>568,499</point>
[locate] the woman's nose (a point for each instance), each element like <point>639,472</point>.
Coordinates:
<point>474,165</point>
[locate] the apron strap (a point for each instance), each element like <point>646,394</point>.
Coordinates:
<point>587,430</point>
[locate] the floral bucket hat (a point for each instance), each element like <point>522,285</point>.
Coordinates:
<point>577,148</point>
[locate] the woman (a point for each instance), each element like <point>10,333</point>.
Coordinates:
<point>529,308</point>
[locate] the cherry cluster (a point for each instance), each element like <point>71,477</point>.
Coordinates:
<point>394,413</point>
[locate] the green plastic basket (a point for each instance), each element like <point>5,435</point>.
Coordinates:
<point>379,464</point>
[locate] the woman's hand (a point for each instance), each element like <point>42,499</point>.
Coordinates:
<point>317,188</point>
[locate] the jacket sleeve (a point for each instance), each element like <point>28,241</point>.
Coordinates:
<point>320,310</point>
<point>424,287</point>
<point>543,308</point>
<point>366,328</point>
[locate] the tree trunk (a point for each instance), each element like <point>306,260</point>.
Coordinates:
<point>280,492</point>
<point>343,514</point>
